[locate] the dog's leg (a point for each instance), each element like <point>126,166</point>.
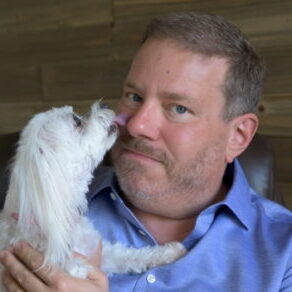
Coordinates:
<point>120,259</point>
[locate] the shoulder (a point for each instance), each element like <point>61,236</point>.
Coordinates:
<point>272,219</point>
<point>272,211</point>
<point>257,208</point>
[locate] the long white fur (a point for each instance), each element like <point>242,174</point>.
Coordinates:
<point>52,169</point>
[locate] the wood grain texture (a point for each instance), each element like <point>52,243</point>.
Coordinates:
<point>84,79</point>
<point>275,113</point>
<point>56,52</point>
<point>19,82</point>
<point>21,16</point>
<point>55,45</point>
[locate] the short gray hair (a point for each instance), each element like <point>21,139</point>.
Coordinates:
<point>212,35</point>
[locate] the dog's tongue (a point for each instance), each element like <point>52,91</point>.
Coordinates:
<point>121,119</point>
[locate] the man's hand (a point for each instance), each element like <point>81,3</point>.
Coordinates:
<point>22,274</point>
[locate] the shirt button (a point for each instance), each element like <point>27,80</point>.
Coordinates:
<point>113,196</point>
<point>151,278</point>
<point>141,232</point>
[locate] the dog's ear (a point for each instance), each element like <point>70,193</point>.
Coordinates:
<point>39,185</point>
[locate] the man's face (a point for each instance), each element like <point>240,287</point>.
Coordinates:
<point>172,150</point>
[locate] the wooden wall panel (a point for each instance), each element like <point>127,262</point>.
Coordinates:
<point>83,79</point>
<point>55,45</point>
<point>275,113</point>
<point>136,8</point>
<point>14,116</point>
<point>126,38</point>
<point>56,52</point>
<point>19,82</point>
<point>20,16</point>
<point>279,73</point>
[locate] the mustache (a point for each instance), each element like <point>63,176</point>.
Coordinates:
<point>141,146</point>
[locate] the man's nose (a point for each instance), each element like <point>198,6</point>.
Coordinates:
<point>145,122</point>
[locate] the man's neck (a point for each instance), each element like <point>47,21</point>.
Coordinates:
<point>166,228</point>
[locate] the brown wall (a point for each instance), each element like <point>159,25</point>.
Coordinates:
<point>72,51</point>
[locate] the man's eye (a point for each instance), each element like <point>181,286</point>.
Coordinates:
<point>180,109</point>
<point>179,113</point>
<point>134,97</point>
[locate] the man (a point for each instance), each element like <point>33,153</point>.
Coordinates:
<point>189,104</point>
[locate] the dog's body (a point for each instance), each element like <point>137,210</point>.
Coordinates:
<point>53,166</point>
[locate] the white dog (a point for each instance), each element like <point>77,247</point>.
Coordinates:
<point>55,158</point>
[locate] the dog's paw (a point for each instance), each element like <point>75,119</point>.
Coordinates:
<point>76,267</point>
<point>172,251</point>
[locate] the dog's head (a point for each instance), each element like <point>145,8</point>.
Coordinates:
<point>61,142</point>
<point>56,155</point>
<point>70,137</point>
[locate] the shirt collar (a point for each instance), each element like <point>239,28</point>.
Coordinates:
<point>104,177</point>
<point>238,198</point>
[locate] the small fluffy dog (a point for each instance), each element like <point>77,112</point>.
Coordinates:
<point>55,158</point>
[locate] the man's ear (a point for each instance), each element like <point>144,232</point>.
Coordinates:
<point>242,131</point>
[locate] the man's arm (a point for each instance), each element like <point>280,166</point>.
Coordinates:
<point>21,265</point>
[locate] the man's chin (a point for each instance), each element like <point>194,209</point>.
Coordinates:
<point>137,171</point>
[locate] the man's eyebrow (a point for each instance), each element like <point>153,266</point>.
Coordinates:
<point>171,96</point>
<point>178,97</point>
<point>130,84</point>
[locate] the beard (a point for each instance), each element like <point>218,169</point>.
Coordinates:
<point>173,182</point>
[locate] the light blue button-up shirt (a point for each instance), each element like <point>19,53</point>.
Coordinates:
<point>243,243</point>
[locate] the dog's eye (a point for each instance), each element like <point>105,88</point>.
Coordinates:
<point>77,121</point>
